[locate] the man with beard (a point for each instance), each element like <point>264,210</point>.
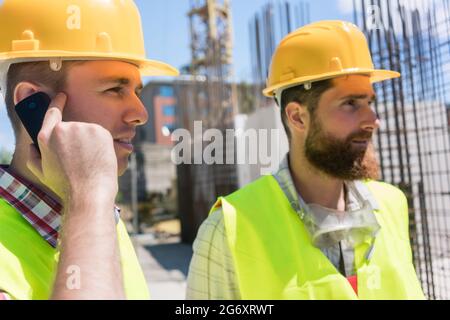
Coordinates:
<point>321,227</point>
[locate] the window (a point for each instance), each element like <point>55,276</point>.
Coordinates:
<point>169,111</point>
<point>166,91</point>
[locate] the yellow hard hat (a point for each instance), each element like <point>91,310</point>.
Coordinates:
<point>318,51</point>
<point>39,30</point>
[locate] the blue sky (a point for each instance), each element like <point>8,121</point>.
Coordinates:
<point>166,32</point>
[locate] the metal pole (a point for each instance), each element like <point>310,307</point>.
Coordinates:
<point>134,200</point>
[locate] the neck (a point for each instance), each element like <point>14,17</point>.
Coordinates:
<point>19,166</point>
<point>315,186</point>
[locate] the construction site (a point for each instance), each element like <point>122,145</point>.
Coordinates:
<point>412,144</point>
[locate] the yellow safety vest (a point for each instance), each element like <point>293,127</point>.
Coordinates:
<point>275,259</point>
<point>28,262</point>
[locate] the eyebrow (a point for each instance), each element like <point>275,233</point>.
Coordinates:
<point>359,96</point>
<point>120,81</point>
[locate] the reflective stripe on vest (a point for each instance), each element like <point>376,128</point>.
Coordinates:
<point>275,259</point>
<point>27,261</point>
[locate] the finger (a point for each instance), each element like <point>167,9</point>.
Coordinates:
<point>34,162</point>
<point>52,117</point>
<point>59,102</point>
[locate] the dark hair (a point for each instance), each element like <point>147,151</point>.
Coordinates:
<point>38,73</point>
<point>310,98</point>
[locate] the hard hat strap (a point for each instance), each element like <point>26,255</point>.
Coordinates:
<point>279,91</point>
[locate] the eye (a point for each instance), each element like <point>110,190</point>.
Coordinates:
<point>115,90</point>
<point>352,103</point>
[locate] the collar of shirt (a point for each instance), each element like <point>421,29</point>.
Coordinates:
<point>357,192</point>
<point>41,211</point>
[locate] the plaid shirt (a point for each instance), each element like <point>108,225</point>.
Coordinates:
<point>41,211</point>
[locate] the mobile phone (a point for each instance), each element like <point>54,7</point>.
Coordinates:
<point>31,112</point>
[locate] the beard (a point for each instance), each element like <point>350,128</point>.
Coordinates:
<point>340,158</point>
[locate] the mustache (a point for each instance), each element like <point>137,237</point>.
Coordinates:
<point>360,134</point>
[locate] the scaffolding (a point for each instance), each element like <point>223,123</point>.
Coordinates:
<point>210,96</point>
<point>212,56</point>
<point>267,28</point>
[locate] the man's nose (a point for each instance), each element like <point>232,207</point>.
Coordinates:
<point>136,112</point>
<point>371,120</point>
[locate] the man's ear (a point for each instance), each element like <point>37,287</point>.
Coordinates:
<point>25,89</point>
<point>297,116</point>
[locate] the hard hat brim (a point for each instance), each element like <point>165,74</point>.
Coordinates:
<point>147,67</point>
<point>376,75</point>
<point>157,68</point>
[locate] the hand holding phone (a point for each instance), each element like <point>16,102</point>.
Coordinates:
<point>31,112</point>
<point>73,154</point>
